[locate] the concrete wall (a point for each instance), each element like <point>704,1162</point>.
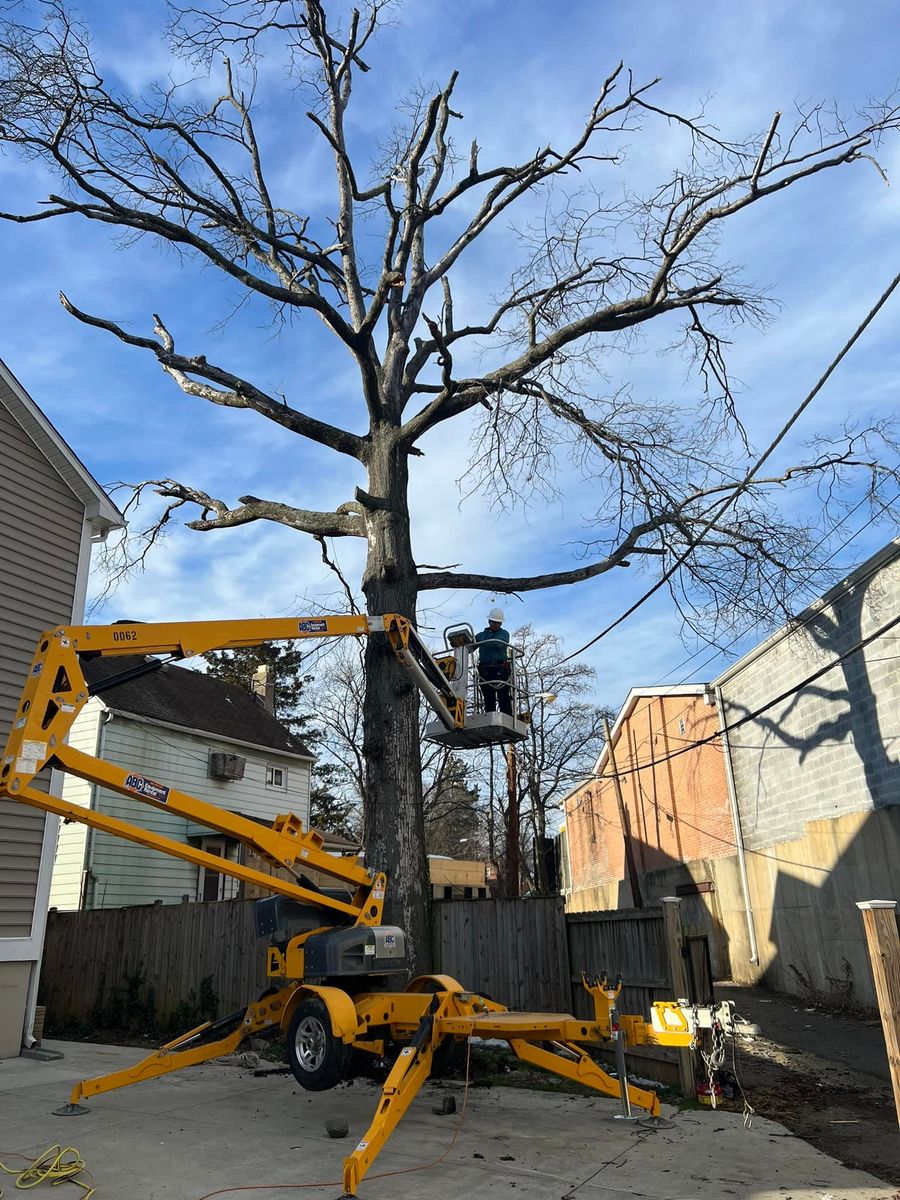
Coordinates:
<point>817,778</point>
<point>831,748</point>
<point>804,894</point>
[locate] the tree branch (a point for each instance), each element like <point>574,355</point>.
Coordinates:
<point>216,514</point>
<point>232,391</point>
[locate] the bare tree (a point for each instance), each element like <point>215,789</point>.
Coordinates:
<point>337,693</point>
<point>565,733</point>
<point>196,177</point>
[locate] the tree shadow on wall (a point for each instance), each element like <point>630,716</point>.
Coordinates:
<point>859,723</point>
<point>816,926</point>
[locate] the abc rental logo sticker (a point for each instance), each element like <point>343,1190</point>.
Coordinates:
<point>147,787</point>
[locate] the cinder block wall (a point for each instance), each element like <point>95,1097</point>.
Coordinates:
<point>818,783</point>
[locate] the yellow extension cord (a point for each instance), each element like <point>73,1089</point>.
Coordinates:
<point>56,1165</point>
<point>60,1164</point>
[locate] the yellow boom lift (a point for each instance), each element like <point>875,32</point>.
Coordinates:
<point>330,959</point>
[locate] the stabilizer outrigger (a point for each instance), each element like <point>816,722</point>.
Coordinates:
<point>328,953</point>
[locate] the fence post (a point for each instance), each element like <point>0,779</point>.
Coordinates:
<point>671,907</point>
<point>880,923</point>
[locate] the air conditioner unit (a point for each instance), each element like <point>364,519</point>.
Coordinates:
<point>226,766</point>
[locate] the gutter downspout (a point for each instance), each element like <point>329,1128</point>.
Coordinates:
<point>738,831</point>
<point>51,832</point>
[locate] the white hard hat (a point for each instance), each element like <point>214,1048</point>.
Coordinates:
<point>496,614</point>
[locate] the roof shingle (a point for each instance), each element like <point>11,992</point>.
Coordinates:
<point>192,700</point>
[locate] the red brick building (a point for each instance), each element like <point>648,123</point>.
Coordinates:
<point>677,809</point>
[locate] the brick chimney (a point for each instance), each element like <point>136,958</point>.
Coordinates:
<point>264,687</point>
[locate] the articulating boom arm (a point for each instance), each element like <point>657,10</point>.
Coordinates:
<point>56,691</point>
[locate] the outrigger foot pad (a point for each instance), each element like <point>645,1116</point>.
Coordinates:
<point>656,1123</point>
<point>70,1110</point>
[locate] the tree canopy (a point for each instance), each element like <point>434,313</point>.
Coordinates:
<point>541,370</point>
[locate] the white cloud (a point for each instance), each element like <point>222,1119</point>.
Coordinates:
<point>525,79</point>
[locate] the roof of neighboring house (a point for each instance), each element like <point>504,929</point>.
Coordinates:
<point>100,510</point>
<point>337,841</point>
<point>194,701</point>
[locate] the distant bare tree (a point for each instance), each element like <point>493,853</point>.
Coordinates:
<point>564,737</point>
<point>565,734</point>
<point>197,177</point>
<point>337,693</point>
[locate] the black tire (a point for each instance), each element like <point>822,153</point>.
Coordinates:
<point>317,1058</point>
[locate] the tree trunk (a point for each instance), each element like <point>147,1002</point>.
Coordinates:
<point>392,810</point>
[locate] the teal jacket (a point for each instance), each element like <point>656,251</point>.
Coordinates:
<point>492,644</point>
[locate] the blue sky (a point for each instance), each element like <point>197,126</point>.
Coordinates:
<point>528,74</point>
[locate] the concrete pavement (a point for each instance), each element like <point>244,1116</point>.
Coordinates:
<point>218,1127</point>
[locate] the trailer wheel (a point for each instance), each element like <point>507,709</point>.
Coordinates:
<point>318,1059</point>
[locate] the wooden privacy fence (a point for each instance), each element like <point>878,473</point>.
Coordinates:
<point>526,954</point>
<point>529,954</point>
<point>513,951</point>
<point>630,941</point>
<point>164,950</point>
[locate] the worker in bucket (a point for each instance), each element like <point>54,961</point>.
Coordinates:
<point>493,664</point>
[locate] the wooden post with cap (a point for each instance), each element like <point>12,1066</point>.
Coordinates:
<point>671,907</point>
<point>880,923</point>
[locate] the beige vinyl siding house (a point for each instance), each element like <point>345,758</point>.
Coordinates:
<point>95,870</point>
<point>51,510</point>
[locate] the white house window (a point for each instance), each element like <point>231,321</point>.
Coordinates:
<point>213,885</point>
<point>681,726</point>
<point>276,777</point>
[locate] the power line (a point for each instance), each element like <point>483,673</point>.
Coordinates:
<point>723,649</point>
<point>751,716</point>
<point>748,478</point>
<point>806,583</point>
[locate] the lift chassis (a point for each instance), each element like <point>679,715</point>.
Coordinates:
<point>330,960</point>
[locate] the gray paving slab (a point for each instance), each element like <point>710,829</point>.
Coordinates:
<point>187,1136</point>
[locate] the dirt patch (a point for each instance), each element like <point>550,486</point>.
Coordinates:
<point>847,1114</point>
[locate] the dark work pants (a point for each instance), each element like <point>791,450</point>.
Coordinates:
<point>494,682</point>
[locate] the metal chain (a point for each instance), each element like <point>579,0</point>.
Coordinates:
<point>715,1059</point>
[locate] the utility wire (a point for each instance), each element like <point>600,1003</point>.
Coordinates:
<point>748,478</point>
<point>724,649</point>
<point>806,583</point>
<point>751,716</point>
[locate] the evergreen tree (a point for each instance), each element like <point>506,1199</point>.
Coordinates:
<point>454,817</point>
